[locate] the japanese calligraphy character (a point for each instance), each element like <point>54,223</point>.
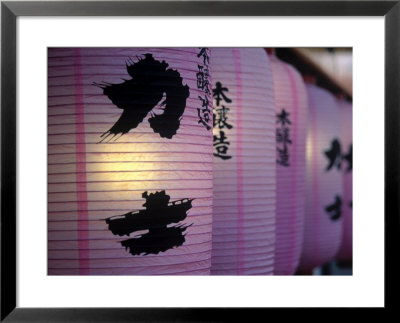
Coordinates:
<point>282,118</point>
<point>282,135</point>
<point>218,93</point>
<point>221,146</point>
<point>156,218</point>
<point>203,119</point>
<point>335,209</point>
<point>150,81</point>
<point>204,102</point>
<point>283,156</point>
<point>202,79</point>
<point>206,58</point>
<point>334,155</point>
<point>204,114</point>
<point>221,117</point>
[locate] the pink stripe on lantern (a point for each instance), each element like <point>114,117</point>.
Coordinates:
<point>293,194</point>
<point>81,188</point>
<point>315,170</point>
<point>239,162</point>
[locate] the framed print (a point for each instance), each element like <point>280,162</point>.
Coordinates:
<point>33,32</point>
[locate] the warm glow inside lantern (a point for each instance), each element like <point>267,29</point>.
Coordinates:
<point>244,162</point>
<point>129,161</point>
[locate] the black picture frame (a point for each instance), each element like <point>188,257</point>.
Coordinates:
<point>10,10</point>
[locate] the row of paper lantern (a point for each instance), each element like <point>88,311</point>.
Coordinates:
<point>260,162</point>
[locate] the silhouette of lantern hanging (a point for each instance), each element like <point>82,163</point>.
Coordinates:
<point>324,194</point>
<point>130,161</point>
<point>244,162</point>
<point>346,114</point>
<point>291,108</point>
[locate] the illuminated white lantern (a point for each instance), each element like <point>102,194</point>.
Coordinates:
<point>129,161</point>
<point>346,248</point>
<point>324,197</point>
<point>244,162</point>
<point>291,109</point>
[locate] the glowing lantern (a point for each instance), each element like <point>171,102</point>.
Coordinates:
<point>244,162</point>
<point>130,161</point>
<point>346,248</point>
<point>291,108</point>
<point>324,198</point>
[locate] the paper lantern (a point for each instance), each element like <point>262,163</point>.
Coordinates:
<point>244,162</point>
<point>346,113</point>
<point>129,161</point>
<point>324,197</point>
<point>291,109</point>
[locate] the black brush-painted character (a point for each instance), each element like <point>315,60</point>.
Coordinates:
<point>220,118</point>
<point>159,213</point>
<point>334,155</point>
<point>204,113</point>
<point>221,146</point>
<point>203,53</point>
<point>283,118</point>
<point>151,83</point>
<point>157,240</point>
<point>202,79</point>
<point>283,155</point>
<point>219,95</point>
<point>334,210</point>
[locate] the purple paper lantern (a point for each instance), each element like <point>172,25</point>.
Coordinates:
<point>324,197</point>
<point>129,161</point>
<point>244,163</point>
<point>291,109</point>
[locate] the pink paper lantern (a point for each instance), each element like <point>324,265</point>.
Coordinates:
<point>291,109</point>
<point>244,162</point>
<point>346,248</point>
<point>129,161</point>
<point>324,198</point>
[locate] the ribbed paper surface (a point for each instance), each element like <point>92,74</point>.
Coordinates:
<point>90,179</point>
<point>323,219</point>
<point>346,248</point>
<point>244,172</point>
<point>291,109</point>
